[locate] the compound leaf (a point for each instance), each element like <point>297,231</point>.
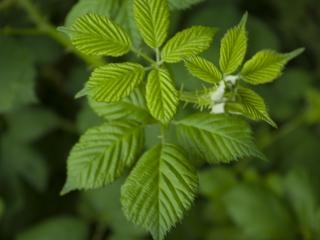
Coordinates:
<point>161,95</point>
<point>203,69</point>
<point>250,105</point>
<point>217,138</point>
<point>112,82</point>
<point>152,17</point>
<point>102,154</point>
<point>187,43</point>
<point>97,35</point>
<point>233,47</point>
<point>160,188</point>
<point>266,66</point>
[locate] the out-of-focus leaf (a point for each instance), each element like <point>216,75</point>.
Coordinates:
<point>17,75</point>
<point>216,181</point>
<point>183,4</point>
<point>20,161</point>
<point>303,198</point>
<point>103,205</point>
<point>29,124</point>
<point>313,110</point>
<point>62,228</point>
<point>87,118</point>
<point>260,214</point>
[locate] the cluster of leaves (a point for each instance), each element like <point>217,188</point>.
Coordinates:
<point>163,183</point>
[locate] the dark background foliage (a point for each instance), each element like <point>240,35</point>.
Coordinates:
<point>40,121</point>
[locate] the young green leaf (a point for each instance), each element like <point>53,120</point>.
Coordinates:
<point>250,105</point>
<point>161,95</point>
<point>160,188</point>
<point>217,138</point>
<point>114,81</point>
<point>233,47</point>
<point>203,69</point>
<point>152,17</point>
<point>102,154</point>
<point>132,107</point>
<point>93,34</point>
<point>187,43</point>
<point>266,66</point>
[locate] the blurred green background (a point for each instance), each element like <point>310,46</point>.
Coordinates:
<point>40,121</point>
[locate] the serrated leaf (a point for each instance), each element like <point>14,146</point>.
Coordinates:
<point>161,95</point>
<point>97,35</point>
<point>112,82</point>
<point>132,107</point>
<point>102,154</point>
<point>250,105</point>
<point>187,43</point>
<point>217,138</point>
<point>160,188</point>
<point>183,4</point>
<point>152,18</point>
<point>266,66</point>
<point>233,47</point>
<point>203,69</point>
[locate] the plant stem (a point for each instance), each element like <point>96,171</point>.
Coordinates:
<point>163,133</point>
<point>188,97</point>
<point>47,28</point>
<point>144,56</point>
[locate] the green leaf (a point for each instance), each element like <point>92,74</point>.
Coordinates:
<point>203,69</point>
<point>17,79</point>
<point>161,95</point>
<point>102,154</point>
<point>152,17</point>
<point>302,195</point>
<point>217,138</point>
<point>233,47</point>
<point>160,188</point>
<point>183,4</point>
<point>112,82</point>
<point>266,66</point>
<point>187,43</point>
<point>260,214</point>
<point>62,228</point>
<point>93,34</point>
<point>132,107</point>
<point>250,105</point>
<point>121,11</point>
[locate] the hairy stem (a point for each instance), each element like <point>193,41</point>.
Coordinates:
<point>47,28</point>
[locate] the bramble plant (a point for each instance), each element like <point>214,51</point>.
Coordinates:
<point>130,96</point>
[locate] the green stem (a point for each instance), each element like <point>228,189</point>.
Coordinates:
<point>144,56</point>
<point>163,133</point>
<point>188,97</point>
<point>44,26</point>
